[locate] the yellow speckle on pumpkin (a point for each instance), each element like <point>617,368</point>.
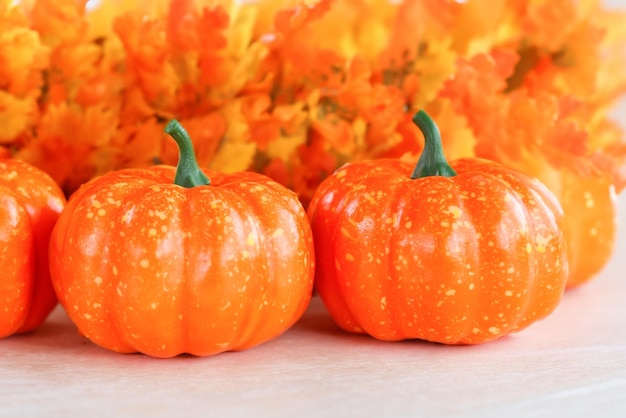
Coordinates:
<point>278,233</point>
<point>541,244</point>
<point>455,211</point>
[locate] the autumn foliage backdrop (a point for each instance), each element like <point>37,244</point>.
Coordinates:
<point>295,89</point>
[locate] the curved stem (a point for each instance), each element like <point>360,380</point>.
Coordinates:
<point>188,174</point>
<point>432,162</point>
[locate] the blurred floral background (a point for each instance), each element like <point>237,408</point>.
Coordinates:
<point>295,89</point>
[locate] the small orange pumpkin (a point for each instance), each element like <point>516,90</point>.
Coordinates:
<point>30,203</point>
<point>164,261</point>
<point>457,254</point>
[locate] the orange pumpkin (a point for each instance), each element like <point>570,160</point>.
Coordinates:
<point>589,203</point>
<point>161,262</point>
<point>590,206</point>
<point>457,254</point>
<point>30,203</point>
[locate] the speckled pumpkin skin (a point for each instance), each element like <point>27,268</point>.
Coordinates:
<point>454,260</point>
<point>143,265</point>
<point>30,203</point>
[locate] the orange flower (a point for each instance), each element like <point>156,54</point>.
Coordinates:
<point>23,58</point>
<point>517,121</point>
<point>147,59</point>
<point>59,23</point>
<point>310,166</point>
<point>80,136</point>
<point>201,34</point>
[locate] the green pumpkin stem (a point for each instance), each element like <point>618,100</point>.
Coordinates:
<point>432,162</point>
<point>188,173</point>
